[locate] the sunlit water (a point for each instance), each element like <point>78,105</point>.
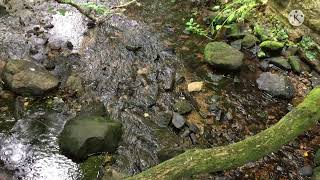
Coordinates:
<point>32,151</point>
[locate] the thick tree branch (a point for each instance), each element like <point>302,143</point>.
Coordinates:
<point>192,162</point>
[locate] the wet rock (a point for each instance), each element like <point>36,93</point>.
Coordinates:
<point>25,77</point>
<point>236,31</point>
<point>186,132</point>
<point>182,107</point>
<point>167,76</point>
<point>2,65</point>
<point>276,85</point>
<point>228,115</point>
<point>85,135</point>
<point>290,51</point>
<point>195,86</point>
<point>236,44</point>
<point>221,55</point>
<point>317,157</point>
<point>264,65</point>
<point>193,138</point>
<point>249,40</point>
<point>262,32</point>
<point>163,119</point>
<point>306,171</point>
<point>272,45</point>
<point>280,62</point>
<point>178,121</point>
<point>193,128</point>
<point>294,61</point>
<point>315,79</point>
<point>55,44</point>
<point>218,115</point>
<point>74,83</point>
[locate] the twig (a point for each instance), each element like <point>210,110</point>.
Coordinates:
<point>124,5</point>
<point>81,10</point>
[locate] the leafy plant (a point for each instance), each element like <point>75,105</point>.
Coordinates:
<point>194,27</point>
<point>238,10</point>
<point>310,48</point>
<point>99,9</point>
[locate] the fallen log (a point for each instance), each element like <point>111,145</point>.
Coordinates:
<point>299,120</point>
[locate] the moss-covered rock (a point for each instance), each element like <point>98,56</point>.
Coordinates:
<point>316,174</point>
<point>294,61</point>
<point>25,77</point>
<point>249,40</point>
<point>74,83</point>
<point>262,33</point>
<point>317,158</point>
<point>280,62</point>
<point>272,45</point>
<point>89,134</point>
<point>221,55</point>
<point>90,167</point>
<point>182,107</point>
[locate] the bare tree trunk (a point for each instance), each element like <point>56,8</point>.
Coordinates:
<point>192,162</point>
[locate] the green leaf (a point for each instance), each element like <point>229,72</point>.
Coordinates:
<point>62,11</point>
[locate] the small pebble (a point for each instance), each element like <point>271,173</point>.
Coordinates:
<point>195,86</point>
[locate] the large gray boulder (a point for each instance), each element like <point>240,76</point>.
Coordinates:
<point>276,85</point>
<point>89,134</point>
<point>28,78</point>
<point>221,55</point>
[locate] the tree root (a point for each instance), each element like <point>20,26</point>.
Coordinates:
<point>302,118</point>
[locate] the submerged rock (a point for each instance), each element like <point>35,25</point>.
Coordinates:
<point>86,135</point>
<point>25,77</point>
<point>182,107</point>
<point>221,55</point>
<point>276,85</point>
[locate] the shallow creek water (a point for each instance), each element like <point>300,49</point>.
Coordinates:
<point>28,145</point>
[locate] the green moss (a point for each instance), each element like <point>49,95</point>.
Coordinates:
<point>249,40</point>
<point>272,45</point>
<point>317,157</point>
<point>294,61</point>
<point>90,168</point>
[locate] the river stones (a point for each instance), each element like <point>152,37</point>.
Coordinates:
<point>182,107</point>
<point>89,134</point>
<point>223,56</point>
<point>178,121</point>
<point>272,45</point>
<point>276,85</point>
<point>249,40</point>
<point>28,78</point>
<point>163,119</point>
<point>294,61</point>
<point>280,62</point>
